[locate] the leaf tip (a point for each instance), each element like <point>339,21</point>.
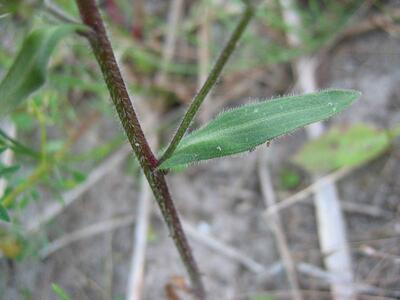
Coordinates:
<point>344,95</point>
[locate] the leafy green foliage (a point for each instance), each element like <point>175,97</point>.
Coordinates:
<point>322,20</point>
<point>8,142</point>
<point>59,291</point>
<point>244,128</point>
<point>5,171</point>
<point>28,72</point>
<point>340,147</point>
<point>4,214</point>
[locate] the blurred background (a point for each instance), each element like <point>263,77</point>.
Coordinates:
<point>312,215</point>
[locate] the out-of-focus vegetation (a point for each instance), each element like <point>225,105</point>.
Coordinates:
<point>345,147</point>
<point>75,87</point>
<point>56,118</point>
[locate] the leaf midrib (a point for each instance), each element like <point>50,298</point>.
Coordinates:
<point>201,138</point>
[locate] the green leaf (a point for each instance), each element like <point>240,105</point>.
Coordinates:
<point>28,71</point>
<point>4,171</point>
<point>59,291</point>
<point>4,214</point>
<point>340,147</point>
<point>244,128</point>
<point>16,146</point>
<point>78,176</point>
<point>23,121</point>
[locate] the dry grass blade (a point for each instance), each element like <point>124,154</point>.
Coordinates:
<point>276,226</point>
<point>135,279</point>
<point>330,218</point>
<point>174,17</point>
<point>303,194</point>
<point>224,249</point>
<point>203,54</point>
<point>136,275</point>
<point>86,233</point>
<point>71,196</point>
<point>385,21</point>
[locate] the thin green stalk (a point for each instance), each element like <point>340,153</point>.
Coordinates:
<point>210,82</point>
<point>36,176</point>
<point>105,57</point>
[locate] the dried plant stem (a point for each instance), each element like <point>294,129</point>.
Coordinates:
<point>69,197</point>
<point>135,282</point>
<point>210,82</point>
<point>330,219</point>
<point>136,274</point>
<point>306,192</point>
<point>104,54</point>
<point>226,250</point>
<point>275,222</point>
<point>174,18</point>
<point>203,55</point>
<point>85,233</point>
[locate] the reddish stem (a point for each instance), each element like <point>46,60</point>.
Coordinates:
<point>116,86</point>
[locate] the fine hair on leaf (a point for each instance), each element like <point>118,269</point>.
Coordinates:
<point>244,128</point>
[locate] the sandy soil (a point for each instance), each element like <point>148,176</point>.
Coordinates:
<point>223,198</point>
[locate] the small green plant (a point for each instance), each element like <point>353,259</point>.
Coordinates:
<point>59,291</point>
<point>232,132</point>
<point>346,147</point>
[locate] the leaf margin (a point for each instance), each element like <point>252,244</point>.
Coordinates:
<point>185,159</point>
<point>29,64</point>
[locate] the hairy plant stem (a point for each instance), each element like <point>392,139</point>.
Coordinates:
<point>210,82</point>
<point>105,57</point>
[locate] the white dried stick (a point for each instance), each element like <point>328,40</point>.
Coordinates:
<point>136,274</point>
<point>222,248</point>
<point>174,17</point>
<point>71,196</point>
<point>275,222</point>
<point>330,218</point>
<point>86,233</point>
